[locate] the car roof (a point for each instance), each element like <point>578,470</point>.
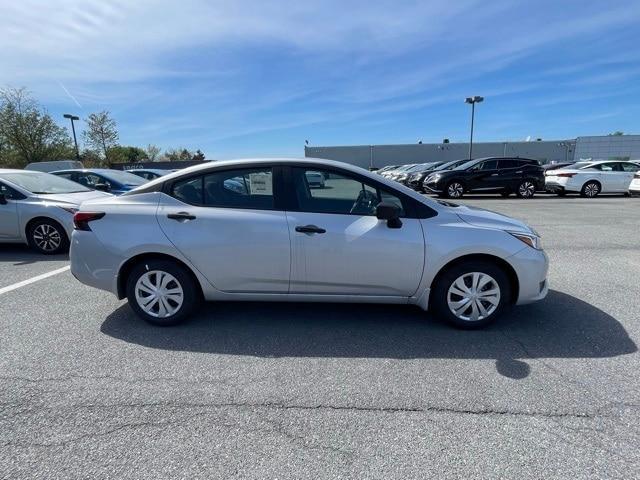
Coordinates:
<point>96,170</point>
<point>17,170</point>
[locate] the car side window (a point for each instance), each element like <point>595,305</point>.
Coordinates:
<point>242,188</point>
<point>610,167</point>
<point>67,175</point>
<point>188,191</point>
<point>630,167</point>
<point>508,163</point>
<point>340,193</point>
<point>9,192</point>
<point>90,180</point>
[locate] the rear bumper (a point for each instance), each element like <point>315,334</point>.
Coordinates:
<point>92,264</point>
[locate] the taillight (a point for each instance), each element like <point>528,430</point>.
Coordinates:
<point>567,175</point>
<point>637,175</point>
<point>81,220</point>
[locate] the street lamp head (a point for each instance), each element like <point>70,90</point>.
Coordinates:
<point>475,99</point>
<point>71,117</point>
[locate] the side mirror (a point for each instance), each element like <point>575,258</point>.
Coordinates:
<point>390,213</point>
<point>3,199</point>
<point>103,187</point>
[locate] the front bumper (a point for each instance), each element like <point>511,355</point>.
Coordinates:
<point>531,267</point>
<point>432,187</point>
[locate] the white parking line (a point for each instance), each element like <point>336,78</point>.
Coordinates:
<point>33,279</point>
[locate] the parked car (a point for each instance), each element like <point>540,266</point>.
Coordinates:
<point>148,173</point>
<point>504,175</point>
<point>54,165</point>
<point>415,179</point>
<point>555,166</point>
<point>634,186</point>
<point>315,179</point>
<point>403,176</point>
<point>104,179</point>
<point>392,174</point>
<point>185,236</point>
<point>589,179</point>
<point>387,168</point>
<point>37,208</point>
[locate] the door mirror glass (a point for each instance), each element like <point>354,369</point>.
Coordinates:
<point>390,213</point>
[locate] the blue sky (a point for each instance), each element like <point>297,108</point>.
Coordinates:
<point>256,78</point>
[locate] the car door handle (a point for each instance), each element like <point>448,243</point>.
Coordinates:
<point>494,174</point>
<point>519,171</point>
<point>181,216</point>
<point>309,229</point>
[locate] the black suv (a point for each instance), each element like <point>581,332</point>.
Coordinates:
<point>521,176</point>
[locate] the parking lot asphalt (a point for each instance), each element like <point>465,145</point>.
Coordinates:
<point>334,391</point>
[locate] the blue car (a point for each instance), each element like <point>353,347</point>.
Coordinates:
<point>113,181</point>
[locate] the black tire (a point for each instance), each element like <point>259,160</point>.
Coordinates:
<point>439,294</point>
<point>190,289</point>
<point>561,193</point>
<point>505,193</point>
<point>526,189</point>
<point>590,189</point>
<point>453,189</point>
<point>47,237</point>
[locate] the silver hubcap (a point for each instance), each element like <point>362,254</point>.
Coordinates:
<point>455,190</point>
<point>527,189</point>
<point>47,237</point>
<point>591,189</point>
<point>473,296</point>
<point>159,294</point>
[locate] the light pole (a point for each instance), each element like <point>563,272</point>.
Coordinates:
<point>73,129</point>
<point>472,101</point>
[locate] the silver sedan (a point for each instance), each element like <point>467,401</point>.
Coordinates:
<point>189,236</point>
<point>37,208</point>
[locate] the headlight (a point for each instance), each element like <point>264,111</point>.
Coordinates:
<point>71,210</point>
<point>534,241</point>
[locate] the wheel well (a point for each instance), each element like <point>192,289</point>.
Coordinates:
<point>37,219</point>
<point>503,264</point>
<point>592,181</point>
<point>126,268</point>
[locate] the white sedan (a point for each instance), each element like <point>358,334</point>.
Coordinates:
<point>592,178</point>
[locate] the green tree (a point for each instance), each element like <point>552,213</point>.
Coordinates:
<point>126,154</point>
<point>101,133</point>
<point>199,156</point>
<point>178,154</point>
<point>617,133</point>
<point>27,132</point>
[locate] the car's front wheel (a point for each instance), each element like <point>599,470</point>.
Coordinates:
<point>48,237</point>
<point>454,190</point>
<point>162,292</point>
<point>471,294</point>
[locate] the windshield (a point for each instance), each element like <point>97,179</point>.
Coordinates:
<point>124,178</point>
<point>450,165</point>
<point>43,183</point>
<point>466,165</point>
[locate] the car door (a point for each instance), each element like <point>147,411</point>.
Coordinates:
<point>510,172</point>
<point>611,177</point>
<point>339,247</point>
<point>484,176</point>
<point>9,224</point>
<point>237,238</point>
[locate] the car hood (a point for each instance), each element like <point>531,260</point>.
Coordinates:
<point>74,198</point>
<point>480,217</point>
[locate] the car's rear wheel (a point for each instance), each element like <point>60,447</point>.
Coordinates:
<point>505,193</point>
<point>471,294</point>
<point>590,189</point>
<point>162,292</point>
<point>454,190</point>
<point>48,237</point>
<point>526,189</point>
